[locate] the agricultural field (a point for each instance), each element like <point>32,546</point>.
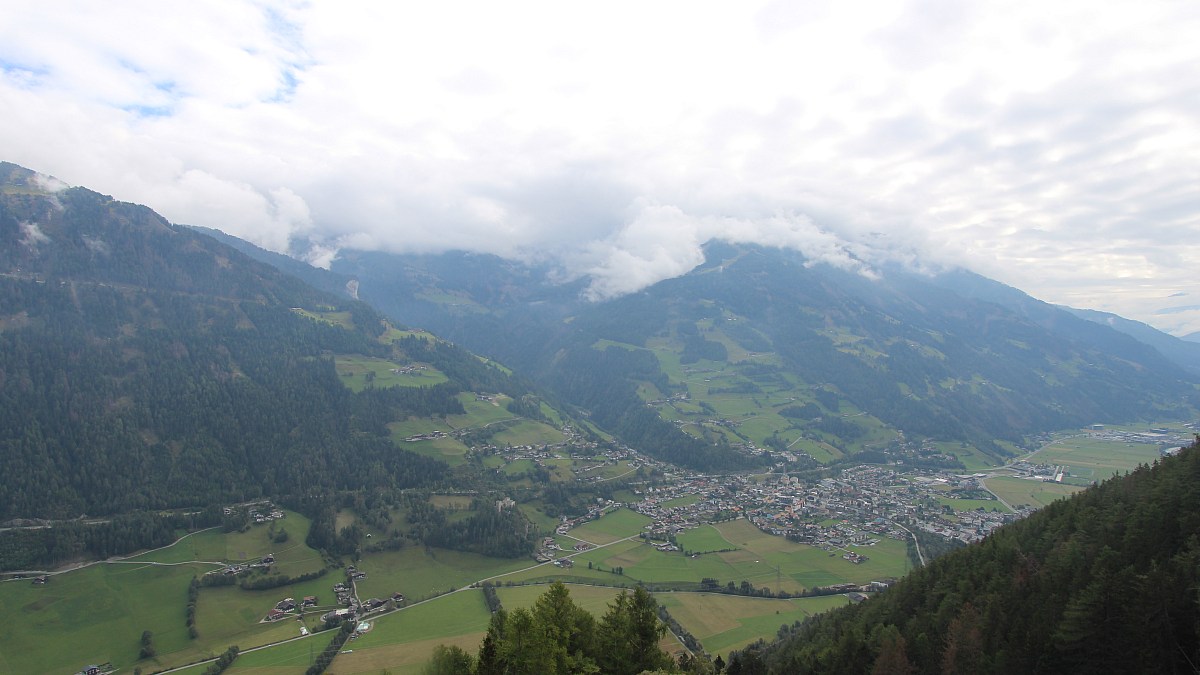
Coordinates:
<point>1025,492</point>
<point>703,539</point>
<point>723,623</point>
<point>759,558</point>
<point>96,615</point>
<point>1089,458</point>
<point>420,573</point>
<point>361,372</point>
<point>612,526</point>
<point>342,319</point>
<point>528,432</point>
<point>973,458</point>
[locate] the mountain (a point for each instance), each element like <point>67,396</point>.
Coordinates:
<point>760,355</point>
<point>1180,350</point>
<point>146,366</point>
<point>1102,582</point>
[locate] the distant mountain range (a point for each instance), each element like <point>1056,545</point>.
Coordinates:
<point>139,343</point>
<point>761,348</point>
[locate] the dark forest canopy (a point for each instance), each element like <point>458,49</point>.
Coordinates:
<point>1104,582</point>
<point>146,366</point>
<point>557,637</point>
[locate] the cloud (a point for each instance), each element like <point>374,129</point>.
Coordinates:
<point>1053,150</point>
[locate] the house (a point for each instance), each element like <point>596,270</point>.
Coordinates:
<point>310,600</point>
<point>41,580</point>
<point>90,670</point>
<point>275,615</point>
<point>285,605</point>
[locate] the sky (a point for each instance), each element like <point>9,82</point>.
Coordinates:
<point>1053,146</point>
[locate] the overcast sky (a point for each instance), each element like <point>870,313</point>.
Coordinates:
<point>1054,146</point>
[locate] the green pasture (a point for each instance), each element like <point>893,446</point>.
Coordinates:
<point>342,319</point>
<point>612,526</point>
<point>762,559</point>
<point>1035,493</point>
<point>419,573</point>
<point>353,370</point>
<point>480,412</point>
<point>533,512</point>
<point>448,449</point>
<point>973,458</point>
<point>205,545</point>
<point>404,641</point>
<point>723,623</point>
<point>96,615</point>
<point>392,334</point>
<point>702,539</point>
<point>1089,458</point>
<point>528,432</point>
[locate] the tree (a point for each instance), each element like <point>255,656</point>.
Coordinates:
<point>629,635</point>
<point>964,644</point>
<point>147,651</point>
<point>893,655</point>
<point>450,660</point>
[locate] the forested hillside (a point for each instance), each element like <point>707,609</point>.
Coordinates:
<point>697,368</point>
<point>147,366</point>
<point>1104,582</point>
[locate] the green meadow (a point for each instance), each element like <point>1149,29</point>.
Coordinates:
<point>612,526</point>
<point>723,623</point>
<point>1025,492</point>
<point>1088,458</point>
<point>762,559</point>
<point>362,372</point>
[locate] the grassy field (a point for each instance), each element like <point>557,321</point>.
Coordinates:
<point>611,527</point>
<point>528,432</point>
<point>762,559</point>
<point>726,622</point>
<point>333,318</point>
<point>401,642</point>
<point>96,614</point>
<point>703,539</point>
<point>1094,459</point>
<point>354,369</point>
<point>1035,493</point>
<point>420,573</point>
<point>973,458</point>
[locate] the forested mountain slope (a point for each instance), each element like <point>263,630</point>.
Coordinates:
<point>144,365</point>
<point>763,348</point>
<point>1103,582</point>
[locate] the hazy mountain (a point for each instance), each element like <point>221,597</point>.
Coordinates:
<point>145,365</point>
<point>1179,350</point>
<point>759,347</point>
